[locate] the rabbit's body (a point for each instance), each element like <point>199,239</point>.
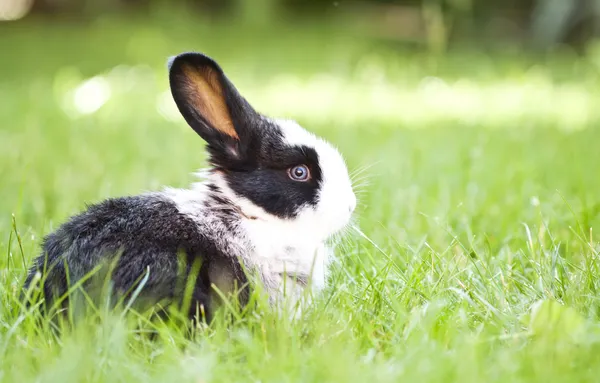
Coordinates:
<point>144,235</point>
<point>275,194</point>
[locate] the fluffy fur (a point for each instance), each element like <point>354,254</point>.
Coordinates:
<point>247,218</point>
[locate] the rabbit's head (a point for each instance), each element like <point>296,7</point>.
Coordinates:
<point>271,169</point>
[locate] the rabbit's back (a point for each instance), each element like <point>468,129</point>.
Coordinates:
<point>139,238</point>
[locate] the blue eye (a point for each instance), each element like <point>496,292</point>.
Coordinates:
<point>299,173</point>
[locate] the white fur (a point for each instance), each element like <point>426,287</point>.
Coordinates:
<point>275,247</point>
<point>336,197</point>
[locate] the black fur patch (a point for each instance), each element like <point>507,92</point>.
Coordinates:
<point>264,180</point>
<point>142,234</point>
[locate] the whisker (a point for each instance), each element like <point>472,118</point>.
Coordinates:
<point>360,189</point>
<point>361,184</point>
<point>361,169</point>
<point>361,174</point>
<point>362,177</point>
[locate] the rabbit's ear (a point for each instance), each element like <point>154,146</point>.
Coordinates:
<point>209,102</point>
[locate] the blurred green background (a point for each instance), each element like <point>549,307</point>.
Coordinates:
<point>471,130</point>
<point>75,73</point>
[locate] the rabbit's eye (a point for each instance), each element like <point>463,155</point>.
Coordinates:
<point>299,173</point>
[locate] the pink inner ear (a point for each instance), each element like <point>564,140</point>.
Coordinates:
<point>206,96</point>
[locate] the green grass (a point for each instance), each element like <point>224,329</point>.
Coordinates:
<point>478,199</point>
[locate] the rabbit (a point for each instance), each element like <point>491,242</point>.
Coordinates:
<point>273,196</point>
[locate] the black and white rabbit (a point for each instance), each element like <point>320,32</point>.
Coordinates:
<point>274,195</point>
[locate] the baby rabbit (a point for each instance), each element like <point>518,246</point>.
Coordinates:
<point>274,194</point>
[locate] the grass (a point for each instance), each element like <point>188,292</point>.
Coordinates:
<point>478,199</point>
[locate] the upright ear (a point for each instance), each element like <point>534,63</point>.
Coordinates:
<point>210,104</point>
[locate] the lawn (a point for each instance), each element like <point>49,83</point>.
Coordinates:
<point>474,257</point>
